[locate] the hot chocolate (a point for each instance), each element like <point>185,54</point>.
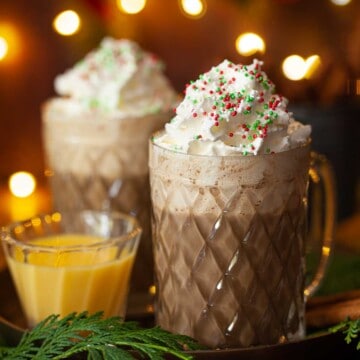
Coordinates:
<point>229,238</point>
<point>96,132</point>
<point>229,182</point>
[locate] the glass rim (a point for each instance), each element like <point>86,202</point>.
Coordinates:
<point>307,144</point>
<point>6,233</point>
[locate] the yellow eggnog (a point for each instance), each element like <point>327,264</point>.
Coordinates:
<point>77,273</point>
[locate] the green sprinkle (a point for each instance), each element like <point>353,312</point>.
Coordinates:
<point>255,125</point>
<point>94,103</point>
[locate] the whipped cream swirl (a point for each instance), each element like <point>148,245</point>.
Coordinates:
<point>233,109</point>
<point>117,76</point>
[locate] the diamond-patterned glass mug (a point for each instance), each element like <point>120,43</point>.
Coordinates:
<point>99,162</point>
<point>229,239</point>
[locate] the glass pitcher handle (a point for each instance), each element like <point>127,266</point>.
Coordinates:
<point>322,176</point>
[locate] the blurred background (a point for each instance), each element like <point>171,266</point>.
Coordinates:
<point>310,49</point>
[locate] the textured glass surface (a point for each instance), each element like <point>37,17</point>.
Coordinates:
<point>100,162</point>
<point>229,246</point>
<point>75,193</point>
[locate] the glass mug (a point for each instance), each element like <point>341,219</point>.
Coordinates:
<point>229,239</point>
<point>99,162</point>
<point>72,263</point>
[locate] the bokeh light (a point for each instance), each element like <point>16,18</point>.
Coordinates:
<point>4,47</point>
<point>341,2</point>
<point>248,44</point>
<point>312,64</point>
<point>10,44</point>
<point>297,68</point>
<point>22,184</point>
<point>294,67</point>
<point>67,23</point>
<point>193,8</point>
<point>131,6</point>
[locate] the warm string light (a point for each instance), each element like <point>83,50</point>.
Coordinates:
<point>341,2</point>
<point>193,8</point>
<point>4,47</point>
<point>22,184</point>
<point>248,44</point>
<point>131,6</point>
<point>10,43</point>
<point>24,198</point>
<point>297,68</point>
<point>67,23</point>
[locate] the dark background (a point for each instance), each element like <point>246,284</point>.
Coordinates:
<point>330,101</point>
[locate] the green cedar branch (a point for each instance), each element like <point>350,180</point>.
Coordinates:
<point>99,338</point>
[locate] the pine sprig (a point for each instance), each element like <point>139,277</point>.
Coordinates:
<point>351,329</point>
<point>98,338</point>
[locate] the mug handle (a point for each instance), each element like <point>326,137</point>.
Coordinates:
<point>322,177</point>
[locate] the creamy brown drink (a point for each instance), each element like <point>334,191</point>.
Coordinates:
<point>96,133</point>
<point>229,245</point>
<point>229,179</point>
